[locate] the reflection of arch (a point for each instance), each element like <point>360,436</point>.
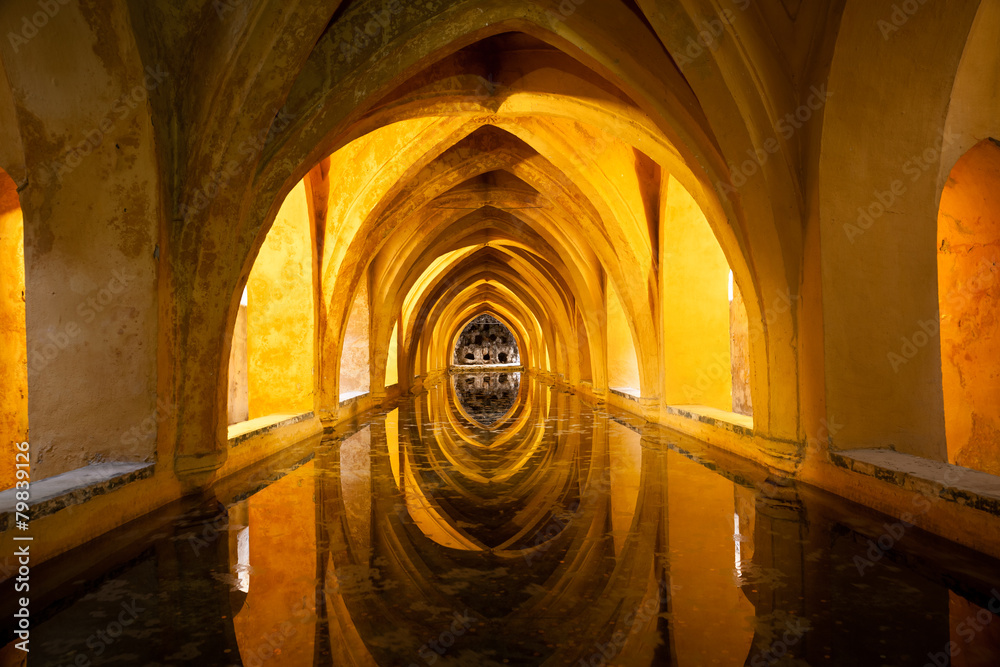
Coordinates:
<point>969,303</point>
<point>488,399</point>
<point>13,351</point>
<point>406,568</point>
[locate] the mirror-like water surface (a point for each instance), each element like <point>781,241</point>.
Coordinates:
<point>540,532</point>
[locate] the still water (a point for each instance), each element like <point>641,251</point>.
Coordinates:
<point>499,521</point>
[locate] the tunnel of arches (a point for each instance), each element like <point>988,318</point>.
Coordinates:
<point>560,228</point>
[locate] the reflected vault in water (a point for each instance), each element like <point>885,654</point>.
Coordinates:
<point>560,536</point>
<point>486,397</point>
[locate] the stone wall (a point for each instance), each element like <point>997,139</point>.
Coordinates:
<point>486,340</point>
<point>739,342</point>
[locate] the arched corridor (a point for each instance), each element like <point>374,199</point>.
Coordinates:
<point>460,285</point>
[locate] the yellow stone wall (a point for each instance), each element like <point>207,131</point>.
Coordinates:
<point>739,354</point>
<point>355,374</point>
<point>239,394</point>
<point>695,302</point>
<point>13,351</point>
<point>623,369</point>
<point>280,314</point>
<point>969,293</point>
<point>392,365</point>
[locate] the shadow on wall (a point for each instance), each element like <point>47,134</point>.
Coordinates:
<point>486,340</point>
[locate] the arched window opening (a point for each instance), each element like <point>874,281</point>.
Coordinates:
<point>13,352</point>
<point>969,303</point>
<point>392,359</point>
<point>706,342</point>
<point>355,374</point>
<point>486,341</point>
<point>583,346</point>
<point>239,393</point>
<point>623,362</point>
<point>272,355</point>
<point>739,350</point>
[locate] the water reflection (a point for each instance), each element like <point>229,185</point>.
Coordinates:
<point>486,397</point>
<point>563,537</point>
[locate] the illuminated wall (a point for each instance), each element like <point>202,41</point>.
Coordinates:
<point>392,361</point>
<point>280,318</point>
<point>969,295</point>
<point>13,351</point>
<point>239,396</point>
<point>695,287</point>
<point>739,353</point>
<point>623,367</point>
<point>355,376</point>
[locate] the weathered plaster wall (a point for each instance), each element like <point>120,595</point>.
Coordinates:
<point>280,317</point>
<point>739,353</point>
<point>92,210</point>
<point>354,372</point>
<point>239,396</point>
<point>623,367</point>
<point>975,97</point>
<point>583,347</point>
<point>969,294</point>
<point>485,340</point>
<point>695,303</point>
<point>878,217</point>
<point>392,363</point>
<point>13,350</point>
